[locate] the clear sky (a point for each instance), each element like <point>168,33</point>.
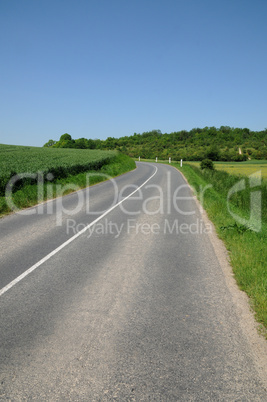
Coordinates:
<point>109,68</point>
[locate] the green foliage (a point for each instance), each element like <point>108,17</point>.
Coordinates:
<point>50,143</point>
<point>218,144</point>
<point>213,153</point>
<point>58,162</point>
<point>65,137</point>
<point>27,195</point>
<point>207,164</point>
<point>222,182</point>
<point>247,248</point>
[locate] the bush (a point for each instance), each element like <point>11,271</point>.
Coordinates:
<point>207,164</point>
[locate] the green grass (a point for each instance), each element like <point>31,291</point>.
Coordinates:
<point>235,168</point>
<point>240,168</point>
<point>247,248</point>
<point>59,162</point>
<point>68,167</point>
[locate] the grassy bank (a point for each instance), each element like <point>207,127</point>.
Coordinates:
<point>59,163</point>
<point>27,194</point>
<point>247,247</point>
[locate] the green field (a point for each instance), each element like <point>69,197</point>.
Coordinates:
<point>58,168</point>
<point>240,168</point>
<point>59,162</point>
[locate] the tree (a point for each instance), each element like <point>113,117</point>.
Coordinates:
<point>65,141</point>
<point>91,144</point>
<point>50,143</point>
<point>199,143</point>
<point>81,143</point>
<point>213,153</point>
<point>207,164</point>
<point>65,137</point>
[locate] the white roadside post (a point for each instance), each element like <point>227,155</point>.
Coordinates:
<point>139,158</point>
<point>169,159</point>
<point>156,158</point>
<point>181,163</point>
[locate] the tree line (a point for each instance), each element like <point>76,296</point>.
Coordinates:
<point>218,144</point>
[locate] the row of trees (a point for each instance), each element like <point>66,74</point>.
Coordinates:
<point>218,144</point>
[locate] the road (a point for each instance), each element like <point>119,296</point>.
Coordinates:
<point>118,294</point>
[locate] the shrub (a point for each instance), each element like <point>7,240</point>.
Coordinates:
<point>207,164</point>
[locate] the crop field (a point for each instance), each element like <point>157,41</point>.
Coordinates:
<point>60,162</point>
<point>240,168</point>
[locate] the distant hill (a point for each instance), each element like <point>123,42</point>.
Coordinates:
<point>221,144</point>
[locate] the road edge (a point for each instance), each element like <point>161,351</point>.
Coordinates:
<point>246,317</point>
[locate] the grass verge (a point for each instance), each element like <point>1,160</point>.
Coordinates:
<point>28,196</point>
<point>247,248</point>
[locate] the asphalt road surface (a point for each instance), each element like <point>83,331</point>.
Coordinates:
<point>117,294</point>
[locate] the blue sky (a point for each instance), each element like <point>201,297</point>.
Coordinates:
<point>109,68</point>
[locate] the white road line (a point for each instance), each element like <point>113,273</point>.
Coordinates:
<point>48,256</point>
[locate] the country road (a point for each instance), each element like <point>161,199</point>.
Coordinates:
<point>117,293</point>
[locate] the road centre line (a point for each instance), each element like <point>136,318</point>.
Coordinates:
<point>54,252</point>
